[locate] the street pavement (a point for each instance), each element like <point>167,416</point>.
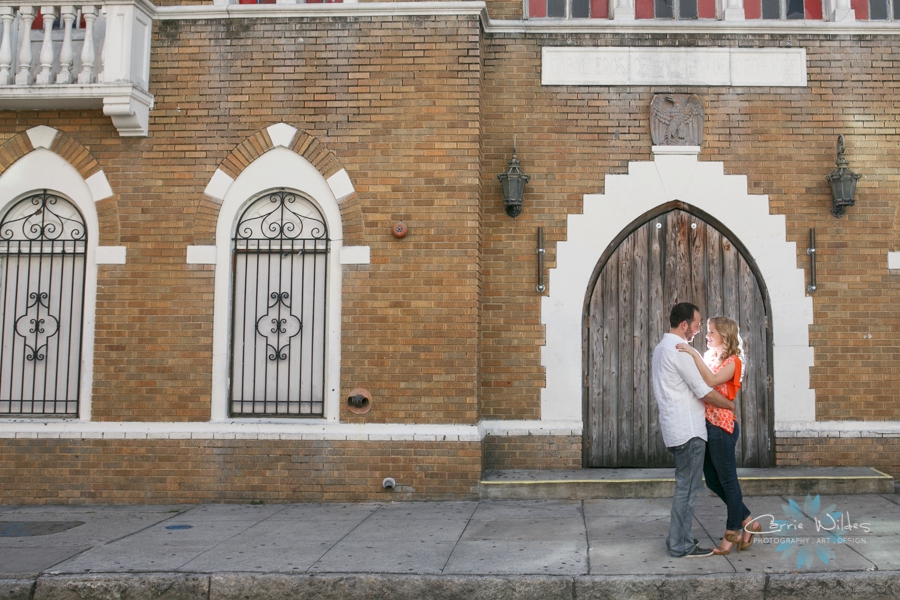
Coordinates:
<point>491,549</point>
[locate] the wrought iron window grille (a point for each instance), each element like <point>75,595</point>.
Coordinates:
<point>43,248</point>
<point>278,308</point>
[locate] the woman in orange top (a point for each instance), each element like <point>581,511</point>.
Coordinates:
<point>721,369</point>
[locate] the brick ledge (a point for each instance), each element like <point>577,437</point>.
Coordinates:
<point>842,429</point>
<point>267,430</point>
<point>74,429</point>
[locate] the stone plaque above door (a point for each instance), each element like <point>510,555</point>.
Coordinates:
<point>770,67</point>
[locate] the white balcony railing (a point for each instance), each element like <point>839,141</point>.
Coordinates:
<point>78,56</point>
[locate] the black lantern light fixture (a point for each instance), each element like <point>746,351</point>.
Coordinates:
<point>513,181</point>
<point>843,182</point>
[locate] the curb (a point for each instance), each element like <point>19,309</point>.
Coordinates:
<point>168,586</point>
<point>16,589</point>
<point>241,586</point>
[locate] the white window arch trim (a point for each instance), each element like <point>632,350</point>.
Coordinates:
<point>277,168</point>
<point>58,176</point>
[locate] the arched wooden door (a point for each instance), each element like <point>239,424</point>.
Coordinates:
<point>669,257</point>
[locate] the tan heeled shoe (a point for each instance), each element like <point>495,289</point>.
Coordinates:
<point>754,530</point>
<point>735,540</point>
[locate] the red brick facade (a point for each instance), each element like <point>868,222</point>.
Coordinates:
<point>444,326</point>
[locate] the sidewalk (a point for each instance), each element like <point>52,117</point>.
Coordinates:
<point>489,549</point>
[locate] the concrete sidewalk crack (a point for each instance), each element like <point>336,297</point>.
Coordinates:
<point>330,548</point>
<point>228,539</point>
<point>587,541</point>
<point>461,533</point>
<point>49,570</point>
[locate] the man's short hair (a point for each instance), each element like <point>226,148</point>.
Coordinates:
<point>681,312</point>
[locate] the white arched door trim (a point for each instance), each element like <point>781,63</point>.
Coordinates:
<point>44,169</point>
<point>676,174</point>
<point>280,167</point>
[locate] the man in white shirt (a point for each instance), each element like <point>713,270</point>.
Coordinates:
<point>680,395</point>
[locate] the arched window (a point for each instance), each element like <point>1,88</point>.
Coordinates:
<point>280,272</point>
<point>43,248</point>
<point>278,171</point>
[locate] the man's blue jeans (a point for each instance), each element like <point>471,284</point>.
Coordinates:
<point>688,483</point>
<point>720,471</point>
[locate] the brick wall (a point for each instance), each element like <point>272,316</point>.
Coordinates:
<point>57,471</point>
<point>397,102</point>
<point>882,453</point>
<point>506,9</point>
<point>782,139</point>
<point>532,452</point>
<point>444,325</point>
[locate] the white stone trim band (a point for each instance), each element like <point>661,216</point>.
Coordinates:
<point>258,429</point>
<point>843,429</point>
<point>253,430</point>
<point>515,428</point>
<point>519,26</point>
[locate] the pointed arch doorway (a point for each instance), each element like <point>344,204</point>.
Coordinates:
<point>674,253</point>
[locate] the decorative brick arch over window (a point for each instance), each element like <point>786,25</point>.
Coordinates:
<point>277,158</point>
<point>44,165</point>
<point>251,149</point>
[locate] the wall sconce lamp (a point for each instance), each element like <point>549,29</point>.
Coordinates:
<point>513,181</point>
<point>843,182</point>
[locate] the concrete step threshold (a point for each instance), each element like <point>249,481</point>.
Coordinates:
<point>660,483</point>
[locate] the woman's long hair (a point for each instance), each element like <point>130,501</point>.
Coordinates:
<point>732,344</point>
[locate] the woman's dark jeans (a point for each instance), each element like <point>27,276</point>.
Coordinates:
<point>720,471</point>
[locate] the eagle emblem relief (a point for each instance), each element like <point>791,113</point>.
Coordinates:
<point>676,120</point>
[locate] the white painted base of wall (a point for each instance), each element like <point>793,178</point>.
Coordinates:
<point>513,428</point>
<point>262,429</point>
<point>233,430</point>
<point>843,429</point>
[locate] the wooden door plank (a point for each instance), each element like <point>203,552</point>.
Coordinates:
<point>609,390</point>
<point>641,374</point>
<point>670,275</point>
<point>595,374</point>
<point>625,396</point>
<point>713,272</point>
<point>760,389</point>
<point>697,240</point>
<point>730,304</point>
<point>731,308</point>
<point>682,258</point>
<point>658,319</point>
<point>748,451</point>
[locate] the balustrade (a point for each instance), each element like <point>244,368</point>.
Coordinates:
<point>60,32</point>
<point>78,56</point>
